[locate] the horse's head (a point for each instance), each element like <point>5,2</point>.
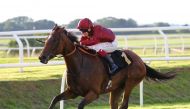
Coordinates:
<point>55,44</point>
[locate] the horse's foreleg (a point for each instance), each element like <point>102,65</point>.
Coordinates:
<point>91,96</point>
<point>114,98</point>
<point>68,94</point>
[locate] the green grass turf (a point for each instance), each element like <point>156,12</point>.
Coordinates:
<point>35,88</point>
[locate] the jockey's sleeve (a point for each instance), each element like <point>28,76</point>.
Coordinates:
<point>89,42</point>
<point>83,38</point>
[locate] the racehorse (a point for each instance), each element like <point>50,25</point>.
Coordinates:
<point>87,74</point>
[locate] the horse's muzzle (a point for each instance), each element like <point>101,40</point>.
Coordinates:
<point>44,59</point>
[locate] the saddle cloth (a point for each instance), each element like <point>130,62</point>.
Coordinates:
<point>120,58</point>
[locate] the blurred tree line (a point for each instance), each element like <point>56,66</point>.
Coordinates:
<point>26,23</point>
<point>112,22</point>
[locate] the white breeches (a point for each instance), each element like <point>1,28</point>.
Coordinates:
<point>107,46</point>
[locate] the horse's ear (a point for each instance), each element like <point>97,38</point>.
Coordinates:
<point>55,27</point>
<point>62,27</point>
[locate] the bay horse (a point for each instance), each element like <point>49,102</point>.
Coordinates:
<point>87,75</point>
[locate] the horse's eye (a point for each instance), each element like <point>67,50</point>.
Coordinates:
<point>53,39</point>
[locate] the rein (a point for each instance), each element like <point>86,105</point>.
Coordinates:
<point>73,51</point>
<point>87,52</point>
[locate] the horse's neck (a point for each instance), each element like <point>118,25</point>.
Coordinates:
<point>79,60</point>
<point>69,47</point>
<point>73,61</point>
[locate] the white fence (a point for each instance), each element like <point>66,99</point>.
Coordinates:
<point>17,35</point>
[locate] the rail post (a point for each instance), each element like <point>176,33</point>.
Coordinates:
<point>28,46</point>
<point>165,43</point>
<point>63,82</point>
<point>141,93</point>
<point>21,53</point>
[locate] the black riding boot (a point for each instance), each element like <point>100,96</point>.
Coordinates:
<point>112,65</point>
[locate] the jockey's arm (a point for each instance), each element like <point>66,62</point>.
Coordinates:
<point>89,41</point>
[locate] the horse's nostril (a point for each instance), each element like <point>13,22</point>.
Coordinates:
<point>42,57</point>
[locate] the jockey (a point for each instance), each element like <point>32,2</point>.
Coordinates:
<point>97,37</point>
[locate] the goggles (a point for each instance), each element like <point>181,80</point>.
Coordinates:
<point>84,30</point>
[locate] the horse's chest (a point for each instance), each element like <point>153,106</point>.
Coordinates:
<point>77,84</point>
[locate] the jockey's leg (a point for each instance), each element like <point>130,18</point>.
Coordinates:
<point>112,65</point>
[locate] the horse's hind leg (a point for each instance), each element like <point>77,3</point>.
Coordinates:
<point>68,94</point>
<point>129,85</point>
<point>114,98</point>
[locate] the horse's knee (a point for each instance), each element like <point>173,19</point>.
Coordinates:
<point>91,96</point>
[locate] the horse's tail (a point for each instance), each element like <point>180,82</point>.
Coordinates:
<point>155,75</point>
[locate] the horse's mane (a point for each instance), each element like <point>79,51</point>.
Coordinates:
<point>71,36</point>
<point>74,39</point>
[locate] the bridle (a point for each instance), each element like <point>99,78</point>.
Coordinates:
<point>73,51</point>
